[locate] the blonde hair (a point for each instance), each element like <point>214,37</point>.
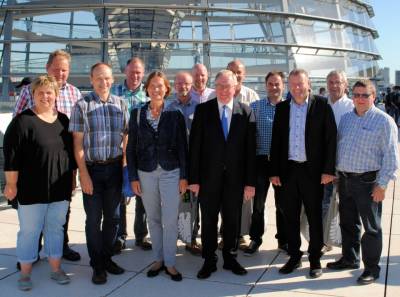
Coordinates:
<point>58,53</point>
<point>45,81</point>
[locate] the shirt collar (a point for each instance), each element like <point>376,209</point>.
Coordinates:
<point>270,103</point>
<point>304,104</point>
<point>344,97</point>
<point>96,97</point>
<point>189,102</point>
<point>126,89</point>
<point>229,105</point>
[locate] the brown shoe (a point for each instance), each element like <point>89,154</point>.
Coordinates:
<point>221,244</point>
<point>144,244</point>
<point>194,248</point>
<point>242,244</point>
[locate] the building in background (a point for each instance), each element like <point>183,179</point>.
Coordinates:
<point>397,77</point>
<point>318,35</point>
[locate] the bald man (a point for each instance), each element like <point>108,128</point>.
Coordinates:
<point>200,92</point>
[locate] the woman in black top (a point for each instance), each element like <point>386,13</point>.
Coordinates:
<point>39,167</point>
<point>157,164</point>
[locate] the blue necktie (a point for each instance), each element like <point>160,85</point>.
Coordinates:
<point>224,122</point>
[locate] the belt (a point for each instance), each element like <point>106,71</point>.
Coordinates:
<point>355,174</point>
<point>106,162</point>
<point>298,162</point>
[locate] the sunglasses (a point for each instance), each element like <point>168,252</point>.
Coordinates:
<point>363,96</point>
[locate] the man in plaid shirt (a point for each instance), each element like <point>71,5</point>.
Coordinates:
<point>58,65</point>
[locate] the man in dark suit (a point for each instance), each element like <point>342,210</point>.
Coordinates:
<point>303,160</point>
<point>222,169</point>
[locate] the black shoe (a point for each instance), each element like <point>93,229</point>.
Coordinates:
<point>70,255</point>
<point>283,247</point>
<point>367,278</point>
<point>235,267</point>
<point>292,264</point>
<point>251,249</point>
<point>206,270</point>
<point>144,244</point>
<point>342,264</point>
<point>37,260</point>
<point>119,245</point>
<point>155,272</point>
<point>113,268</point>
<point>315,269</point>
<point>99,276</point>
<point>175,277</point>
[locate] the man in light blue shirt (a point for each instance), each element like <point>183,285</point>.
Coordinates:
<point>367,159</point>
<point>184,103</point>
<point>264,112</point>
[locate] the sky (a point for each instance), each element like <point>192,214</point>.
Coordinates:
<point>387,22</point>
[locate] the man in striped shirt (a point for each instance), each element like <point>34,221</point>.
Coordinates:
<point>58,65</point>
<point>367,159</point>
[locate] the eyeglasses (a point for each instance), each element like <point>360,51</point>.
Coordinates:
<point>223,87</point>
<point>363,96</point>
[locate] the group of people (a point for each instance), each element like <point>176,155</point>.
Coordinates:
<point>225,146</point>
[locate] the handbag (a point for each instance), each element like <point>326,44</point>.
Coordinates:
<point>186,216</point>
<point>332,233</point>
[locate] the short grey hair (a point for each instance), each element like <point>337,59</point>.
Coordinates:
<point>340,73</point>
<point>228,73</point>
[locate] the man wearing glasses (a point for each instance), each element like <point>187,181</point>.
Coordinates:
<point>367,158</point>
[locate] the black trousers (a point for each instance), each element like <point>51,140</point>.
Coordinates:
<point>355,206</point>
<point>227,198</point>
<point>257,218</point>
<point>301,188</point>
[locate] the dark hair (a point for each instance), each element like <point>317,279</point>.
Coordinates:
<point>275,72</point>
<point>161,75</point>
<point>365,83</point>
<point>97,65</point>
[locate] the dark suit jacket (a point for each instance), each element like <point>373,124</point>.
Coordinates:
<point>211,157</point>
<point>320,138</point>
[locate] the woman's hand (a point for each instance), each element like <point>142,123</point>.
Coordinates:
<point>10,191</point>
<point>183,184</point>
<point>135,185</point>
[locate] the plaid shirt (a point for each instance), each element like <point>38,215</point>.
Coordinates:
<point>264,113</point>
<point>368,143</point>
<point>134,99</point>
<point>103,125</point>
<point>69,95</point>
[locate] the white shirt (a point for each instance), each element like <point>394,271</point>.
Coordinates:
<point>340,107</point>
<point>228,111</point>
<point>247,95</point>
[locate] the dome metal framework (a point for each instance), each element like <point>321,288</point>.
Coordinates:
<point>317,35</point>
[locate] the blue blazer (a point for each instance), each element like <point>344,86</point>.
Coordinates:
<point>147,147</point>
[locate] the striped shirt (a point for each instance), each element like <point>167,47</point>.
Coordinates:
<point>297,130</point>
<point>103,124</point>
<point>69,95</point>
<point>368,143</point>
<point>206,95</point>
<point>264,112</point>
<point>134,98</point>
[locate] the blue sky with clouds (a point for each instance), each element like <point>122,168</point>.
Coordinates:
<point>387,22</point>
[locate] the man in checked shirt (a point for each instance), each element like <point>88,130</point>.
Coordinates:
<point>367,158</point>
<point>58,65</point>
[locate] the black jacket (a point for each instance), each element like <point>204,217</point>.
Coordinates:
<point>147,147</point>
<point>320,138</point>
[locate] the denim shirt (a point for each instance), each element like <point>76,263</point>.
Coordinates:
<point>166,147</point>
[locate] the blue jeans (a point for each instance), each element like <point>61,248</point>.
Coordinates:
<point>35,219</point>
<point>355,202</point>
<point>140,223</point>
<point>160,195</point>
<point>104,203</point>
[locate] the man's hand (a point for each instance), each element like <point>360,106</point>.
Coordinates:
<point>195,188</point>
<point>10,191</point>
<point>378,194</point>
<point>249,192</point>
<point>183,184</point>
<point>327,178</point>
<point>275,180</point>
<point>135,185</point>
<point>86,184</point>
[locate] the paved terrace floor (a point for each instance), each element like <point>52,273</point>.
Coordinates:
<point>262,279</point>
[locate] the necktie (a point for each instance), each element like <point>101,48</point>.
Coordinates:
<point>224,122</point>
